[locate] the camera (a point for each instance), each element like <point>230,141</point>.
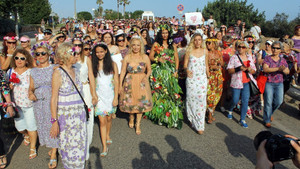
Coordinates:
<point>278,147</point>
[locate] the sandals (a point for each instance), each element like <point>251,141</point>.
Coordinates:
<point>32,155</point>
<point>26,142</point>
<point>109,142</point>
<point>131,122</point>
<point>3,161</point>
<point>52,161</point>
<point>138,129</point>
<point>104,154</point>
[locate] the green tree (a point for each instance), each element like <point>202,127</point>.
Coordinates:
<point>84,15</point>
<point>227,12</point>
<point>137,14</point>
<point>111,14</point>
<point>34,11</point>
<point>279,26</point>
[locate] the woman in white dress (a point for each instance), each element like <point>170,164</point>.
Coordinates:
<point>196,66</point>
<point>106,74</point>
<point>84,65</point>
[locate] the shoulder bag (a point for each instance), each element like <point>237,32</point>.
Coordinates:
<point>85,106</point>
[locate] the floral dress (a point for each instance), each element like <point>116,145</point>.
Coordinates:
<point>167,105</point>
<point>215,85</point>
<point>42,79</point>
<point>72,123</point>
<point>196,91</point>
<point>136,96</point>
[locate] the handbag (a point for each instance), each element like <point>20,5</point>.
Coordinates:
<point>85,106</point>
<point>261,82</point>
<point>253,87</point>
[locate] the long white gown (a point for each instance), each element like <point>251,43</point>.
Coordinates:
<point>196,88</point>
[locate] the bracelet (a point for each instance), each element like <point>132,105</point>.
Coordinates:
<point>53,120</point>
<point>9,55</point>
<point>9,104</point>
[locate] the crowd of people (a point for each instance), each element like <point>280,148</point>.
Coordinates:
<point>163,70</point>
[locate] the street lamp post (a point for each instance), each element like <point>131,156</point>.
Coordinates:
<point>75,14</point>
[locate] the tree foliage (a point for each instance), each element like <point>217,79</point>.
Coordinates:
<point>99,11</point>
<point>34,11</point>
<point>111,14</point>
<point>137,14</point>
<point>227,12</point>
<point>279,26</point>
<point>84,15</point>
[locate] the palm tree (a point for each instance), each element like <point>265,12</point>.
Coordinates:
<point>100,9</point>
<point>118,4</point>
<point>125,2</point>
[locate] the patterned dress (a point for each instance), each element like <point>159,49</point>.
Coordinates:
<point>136,96</point>
<point>105,92</point>
<point>42,79</point>
<point>215,85</point>
<point>72,123</point>
<point>167,104</point>
<point>196,90</point>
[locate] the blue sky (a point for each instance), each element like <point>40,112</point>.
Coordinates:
<point>65,8</point>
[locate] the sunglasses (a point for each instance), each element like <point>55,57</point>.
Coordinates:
<point>208,43</point>
<point>60,37</point>
<point>24,41</point>
<point>267,44</point>
<point>40,53</point>
<point>251,42</point>
<point>11,43</point>
<point>47,33</point>
<point>79,45</point>
<point>121,40</point>
<point>276,48</point>
<point>21,58</point>
<point>87,49</point>
<point>242,47</point>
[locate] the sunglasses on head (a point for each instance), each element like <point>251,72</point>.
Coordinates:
<point>40,53</point>
<point>251,42</point>
<point>21,58</point>
<point>242,47</point>
<point>276,48</point>
<point>87,49</point>
<point>121,40</point>
<point>11,42</point>
<point>79,45</point>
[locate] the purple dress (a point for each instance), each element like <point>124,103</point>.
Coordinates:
<point>297,46</point>
<point>42,79</point>
<point>72,123</point>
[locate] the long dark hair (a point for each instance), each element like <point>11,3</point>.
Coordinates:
<point>107,61</point>
<point>112,38</point>
<point>148,39</point>
<point>159,39</point>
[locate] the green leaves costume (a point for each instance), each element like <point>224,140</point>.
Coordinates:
<point>167,104</point>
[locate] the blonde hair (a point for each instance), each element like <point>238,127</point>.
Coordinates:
<point>142,51</point>
<point>62,52</point>
<point>191,45</point>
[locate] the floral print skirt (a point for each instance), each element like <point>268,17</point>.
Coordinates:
<point>214,89</point>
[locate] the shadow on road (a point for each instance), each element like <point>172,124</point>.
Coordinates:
<point>95,150</point>
<point>178,158</point>
<point>11,143</point>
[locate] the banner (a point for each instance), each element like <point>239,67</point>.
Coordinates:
<point>193,18</point>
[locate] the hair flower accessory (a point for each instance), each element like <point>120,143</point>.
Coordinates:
<point>98,43</point>
<point>14,79</point>
<point>10,38</point>
<point>42,44</point>
<point>178,39</point>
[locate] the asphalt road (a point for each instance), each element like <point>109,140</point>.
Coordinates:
<point>225,144</point>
